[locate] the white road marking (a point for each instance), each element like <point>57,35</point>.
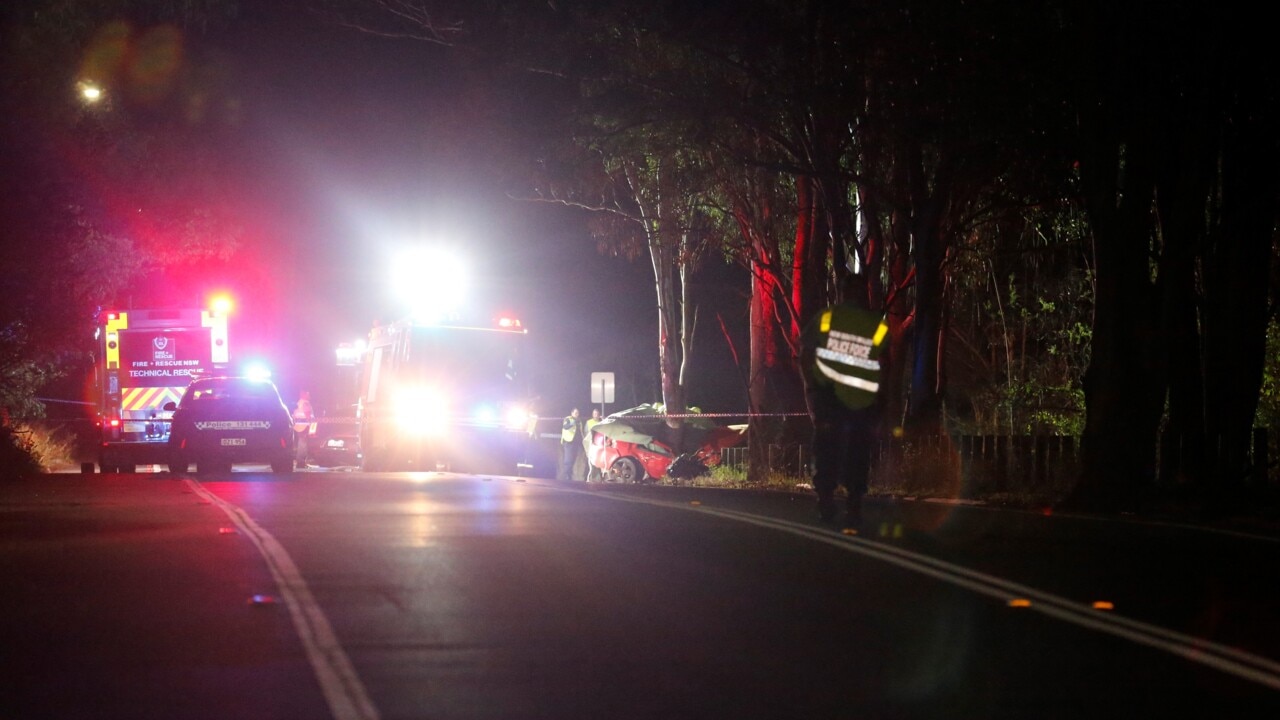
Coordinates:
<point>337,676</point>
<point>1227,659</point>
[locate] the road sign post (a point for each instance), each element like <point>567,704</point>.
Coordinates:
<point>602,389</point>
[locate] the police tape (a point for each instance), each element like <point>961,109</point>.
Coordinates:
<point>654,416</point>
<point>717,415</point>
<point>661,416</point>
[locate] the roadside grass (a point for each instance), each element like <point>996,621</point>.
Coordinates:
<point>50,448</point>
<point>19,456</point>
<point>910,471</point>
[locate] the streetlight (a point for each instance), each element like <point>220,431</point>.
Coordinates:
<point>90,92</point>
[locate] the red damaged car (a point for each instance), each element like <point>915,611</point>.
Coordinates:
<point>636,445</point>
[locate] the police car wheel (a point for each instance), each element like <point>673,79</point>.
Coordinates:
<point>282,467</point>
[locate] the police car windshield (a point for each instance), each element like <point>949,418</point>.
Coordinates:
<point>215,390</point>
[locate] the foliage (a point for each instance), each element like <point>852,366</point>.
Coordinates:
<point>735,476</point>
<point>1021,328</point>
<point>1268,415</point>
<point>53,446</point>
<point>99,196</point>
<point>20,375</point>
<point>19,456</point>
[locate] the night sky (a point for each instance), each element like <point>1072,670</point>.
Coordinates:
<point>354,146</point>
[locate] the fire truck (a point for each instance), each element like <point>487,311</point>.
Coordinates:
<point>144,359</point>
<point>443,396</point>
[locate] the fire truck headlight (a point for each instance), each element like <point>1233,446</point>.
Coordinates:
<point>422,411</point>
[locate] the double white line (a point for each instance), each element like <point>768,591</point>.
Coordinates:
<point>1230,660</point>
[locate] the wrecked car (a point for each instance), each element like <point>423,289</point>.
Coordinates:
<point>636,445</point>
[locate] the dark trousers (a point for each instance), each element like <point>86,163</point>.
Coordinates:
<point>300,447</point>
<point>842,442</point>
<point>569,457</point>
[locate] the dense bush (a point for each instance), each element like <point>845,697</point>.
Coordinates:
<point>18,454</point>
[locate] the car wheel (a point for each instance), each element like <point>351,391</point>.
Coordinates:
<point>282,467</point>
<point>179,466</point>
<point>626,470</point>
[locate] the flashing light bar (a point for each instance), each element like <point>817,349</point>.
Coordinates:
<point>257,371</point>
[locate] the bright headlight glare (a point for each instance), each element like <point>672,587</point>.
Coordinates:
<point>485,415</point>
<point>516,418</point>
<point>422,411</point>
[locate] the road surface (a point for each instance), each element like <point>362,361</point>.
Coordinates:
<point>429,595</point>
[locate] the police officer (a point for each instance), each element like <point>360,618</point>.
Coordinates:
<point>303,416</point>
<point>570,444</point>
<point>842,348</point>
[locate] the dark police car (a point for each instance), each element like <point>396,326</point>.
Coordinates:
<point>226,420</point>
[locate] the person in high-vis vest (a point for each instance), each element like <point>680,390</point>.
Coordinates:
<point>570,444</point>
<point>842,350</point>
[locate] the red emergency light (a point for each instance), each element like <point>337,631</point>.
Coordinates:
<point>221,304</point>
<point>508,322</point>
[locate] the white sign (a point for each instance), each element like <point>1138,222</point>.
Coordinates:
<point>601,387</point>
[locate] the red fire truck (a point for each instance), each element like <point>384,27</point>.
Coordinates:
<point>144,359</point>
<point>443,396</point>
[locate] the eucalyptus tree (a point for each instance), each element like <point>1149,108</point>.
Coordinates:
<point>1176,144</point>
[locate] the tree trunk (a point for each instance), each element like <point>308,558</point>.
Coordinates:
<point>808,265</point>
<point>924,404</point>
<point>1237,269</point>
<point>1123,385</point>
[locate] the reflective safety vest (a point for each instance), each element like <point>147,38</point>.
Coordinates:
<point>569,429</point>
<point>847,344</point>
<point>302,418</point>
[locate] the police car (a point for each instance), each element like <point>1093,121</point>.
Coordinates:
<point>226,420</point>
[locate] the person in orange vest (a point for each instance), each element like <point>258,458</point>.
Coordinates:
<point>303,416</point>
<point>841,353</point>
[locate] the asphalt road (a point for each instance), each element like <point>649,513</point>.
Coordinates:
<point>348,595</point>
